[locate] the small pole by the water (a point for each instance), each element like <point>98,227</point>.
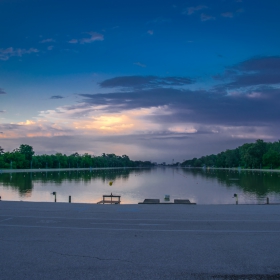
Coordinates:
<point>236,197</point>
<point>54,193</point>
<point>69,198</point>
<point>267,200</point>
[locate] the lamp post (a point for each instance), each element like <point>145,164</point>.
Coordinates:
<point>236,197</point>
<point>54,193</point>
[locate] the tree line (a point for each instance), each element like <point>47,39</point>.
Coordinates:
<point>24,157</point>
<point>250,155</point>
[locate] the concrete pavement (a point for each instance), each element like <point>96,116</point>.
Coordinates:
<point>89,241</point>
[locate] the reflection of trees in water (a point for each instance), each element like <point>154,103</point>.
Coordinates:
<point>24,182</point>
<point>259,183</point>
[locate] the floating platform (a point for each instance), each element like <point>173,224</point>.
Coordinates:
<point>157,201</point>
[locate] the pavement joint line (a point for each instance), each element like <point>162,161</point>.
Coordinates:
<point>129,224</point>
<point>150,230</point>
<point>165,220</point>
<point>91,257</point>
<point>6,220</point>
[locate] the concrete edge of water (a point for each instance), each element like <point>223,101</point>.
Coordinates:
<point>120,205</point>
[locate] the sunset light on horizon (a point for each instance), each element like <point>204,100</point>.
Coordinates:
<point>155,80</point>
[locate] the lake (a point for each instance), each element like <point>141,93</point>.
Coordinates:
<point>203,186</point>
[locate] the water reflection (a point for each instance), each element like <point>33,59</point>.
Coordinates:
<point>203,186</point>
<point>24,182</point>
<point>254,182</point>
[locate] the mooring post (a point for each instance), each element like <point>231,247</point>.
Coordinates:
<point>54,193</point>
<point>236,197</point>
<point>267,200</point>
<point>69,198</point>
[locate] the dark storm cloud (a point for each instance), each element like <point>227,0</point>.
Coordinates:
<point>145,82</point>
<point>253,72</point>
<point>2,91</point>
<point>57,97</point>
<point>204,107</point>
<point>246,98</point>
<point>135,99</point>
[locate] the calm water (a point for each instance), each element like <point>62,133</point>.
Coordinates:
<point>134,185</point>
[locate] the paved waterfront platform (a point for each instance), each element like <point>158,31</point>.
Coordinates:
<point>89,241</point>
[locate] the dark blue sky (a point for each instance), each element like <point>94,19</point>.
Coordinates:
<point>156,79</point>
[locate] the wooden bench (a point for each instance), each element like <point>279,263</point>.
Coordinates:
<point>182,201</point>
<point>157,201</point>
<point>111,199</point>
<point>150,201</point>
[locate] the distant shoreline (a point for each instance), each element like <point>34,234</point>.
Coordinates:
<point>65,169</point>
<point>107,168</point>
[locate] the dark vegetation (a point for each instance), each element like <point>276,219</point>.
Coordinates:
<point>250,155</point>
<point>24,157</point>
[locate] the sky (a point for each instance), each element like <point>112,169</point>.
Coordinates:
<point>155,80</point>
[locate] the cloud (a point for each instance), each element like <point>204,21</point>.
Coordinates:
<point>47,40</point>
<point>56,97</point>
<point>145,82</point>
<point>33,128</point>
<point>94,36</point>
<point>2,111</point>
<point>200,106</point>
<point>5,54</point>
<point>257,71</point>
<point>151,32</point>
<point>251,88</point>
<point>50,48</point>
<point>241,10</point>
<point>205,17</point>
<point>73,41</point>
<point>159,20</point>
<point>139,64</point>
<point>2,91</point>
<point>160,115</point>
<point>191,10</point>
<point>227,15</point>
